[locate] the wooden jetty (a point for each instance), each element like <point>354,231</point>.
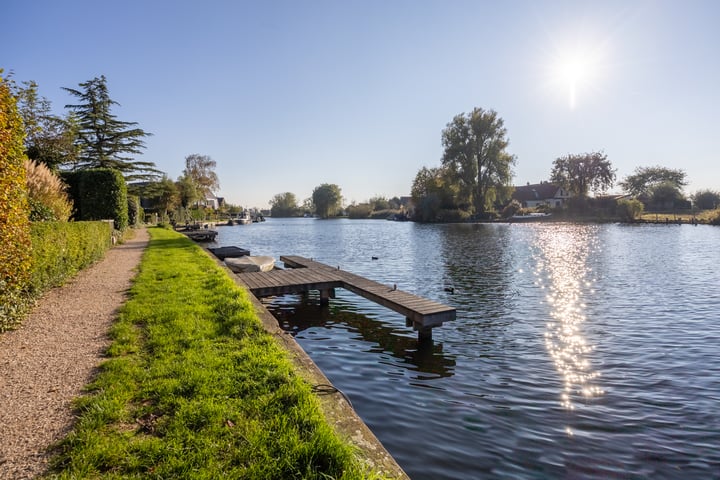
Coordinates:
<point>305,274</point>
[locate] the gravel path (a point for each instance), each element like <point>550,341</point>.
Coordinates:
<point>47,362</point>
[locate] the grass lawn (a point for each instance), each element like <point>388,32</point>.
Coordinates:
<point>703,216</point>
<point>194,388</point>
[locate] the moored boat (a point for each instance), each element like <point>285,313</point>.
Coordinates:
<point>247,264</point>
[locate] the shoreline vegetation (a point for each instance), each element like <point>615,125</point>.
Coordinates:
<point>194,387</point>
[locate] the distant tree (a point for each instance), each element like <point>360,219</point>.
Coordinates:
<point>580,174</point>
<point>164,194</point>
<point>200,169</point>
<point>49,139</point>
<point>103,140</point>
<point>665,194</point>
<point>284,205</point>
<point>475,157</point>
<point>706,199</point>
<point>395,203</point>
<point>327,200</point>
<point>307,206</point>
<point>645,179</point>
<point>379,203</point>
<point>432,191</point>
<point>188,192</point>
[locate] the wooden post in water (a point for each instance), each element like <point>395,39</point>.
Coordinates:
<point>326,295</point>
<point>424,333</point>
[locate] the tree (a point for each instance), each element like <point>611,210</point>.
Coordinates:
<point>379,203</point>
<point>645,179</point>
<point>284,205</point>
<point>103,140</point>
<point>582,173</point>
<point>49,139</point>
<point>475,157</point>
<point>665,195</point>
<point>187,191</point>
<point>327,200</point>
<point>164,195</point>
<point>706,199</point>
<point>431,191</point>
<point>200,169</point>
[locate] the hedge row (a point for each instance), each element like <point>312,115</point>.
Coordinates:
<point>61,249</point>
<point>98,194</point>
<point>14,224</point>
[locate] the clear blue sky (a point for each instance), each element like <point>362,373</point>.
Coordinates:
<point>286,95</point>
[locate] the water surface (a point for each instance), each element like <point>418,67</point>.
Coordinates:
<point>579,351</point>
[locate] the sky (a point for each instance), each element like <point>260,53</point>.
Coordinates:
<point>287,95</point>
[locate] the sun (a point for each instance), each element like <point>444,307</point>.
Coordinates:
<point>573,72</point>
<point>576,69</point>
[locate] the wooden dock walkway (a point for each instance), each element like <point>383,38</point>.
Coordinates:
<point>305,274</point>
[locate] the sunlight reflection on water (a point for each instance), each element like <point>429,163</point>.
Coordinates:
<point>563,270</point>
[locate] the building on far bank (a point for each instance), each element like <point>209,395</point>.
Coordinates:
<point>541,194</point>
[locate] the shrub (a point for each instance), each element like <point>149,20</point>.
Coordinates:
<point>359,211</point>
<point>136,214</point>
<point>61,249</point>
<point>14,224</point>
<point>629,210</point>
<point>46,194</point>
<point>716,219</point>
<point>98,194</point>
<point>511,209</point>
<point>453,215</point>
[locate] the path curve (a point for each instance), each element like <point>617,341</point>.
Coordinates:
<point>46,363</point>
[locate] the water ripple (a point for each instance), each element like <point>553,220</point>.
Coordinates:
<point>579,351</point>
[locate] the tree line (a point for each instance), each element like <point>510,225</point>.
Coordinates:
<point>475,174</point>
<point>90,136</point>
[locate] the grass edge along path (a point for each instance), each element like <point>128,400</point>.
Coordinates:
<point>193,387</point>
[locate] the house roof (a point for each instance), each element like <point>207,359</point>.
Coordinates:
<point>537,191</point>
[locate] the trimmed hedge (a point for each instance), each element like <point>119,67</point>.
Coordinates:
<point>14,223</point>
<point>98,194</point>
<point>61,249</point>
<point>136,214</point>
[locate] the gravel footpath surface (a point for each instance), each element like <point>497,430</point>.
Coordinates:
<point>46,363</point>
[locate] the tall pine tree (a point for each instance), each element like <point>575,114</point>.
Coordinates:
<point>105,141</point>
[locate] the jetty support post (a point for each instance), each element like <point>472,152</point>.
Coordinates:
<point>424,332</point>
<point>326,295</point>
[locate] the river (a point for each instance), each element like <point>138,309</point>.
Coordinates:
<point>579,351</point>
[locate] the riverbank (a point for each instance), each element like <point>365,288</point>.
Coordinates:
<point>194,384</point>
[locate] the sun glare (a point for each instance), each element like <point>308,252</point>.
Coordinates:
<point>576,70</point>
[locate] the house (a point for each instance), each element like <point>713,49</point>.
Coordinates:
<point>211,201</point>
<point>541,194</point>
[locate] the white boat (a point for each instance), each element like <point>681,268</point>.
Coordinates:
<point>249,264</point>
<point>243,219</point>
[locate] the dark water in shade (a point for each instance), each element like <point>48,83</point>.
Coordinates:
<point>579,351</point>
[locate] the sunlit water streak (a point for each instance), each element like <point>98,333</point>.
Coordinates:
<point>622,320</point>
<point>563,270</point>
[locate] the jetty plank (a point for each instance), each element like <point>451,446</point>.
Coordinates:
<point>305,274</point>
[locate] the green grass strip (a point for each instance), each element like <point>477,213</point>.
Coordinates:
<point>195,388</point>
